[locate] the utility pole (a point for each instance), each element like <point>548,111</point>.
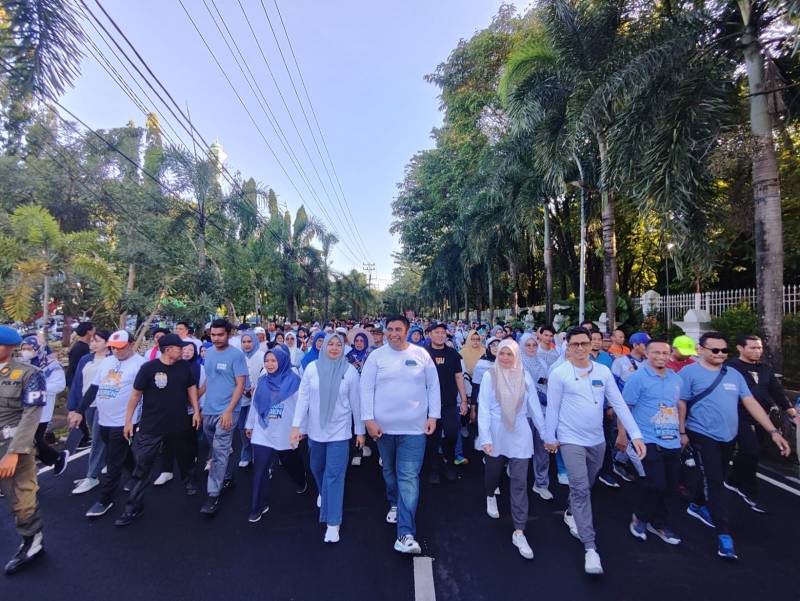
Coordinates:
<point>369,268</point>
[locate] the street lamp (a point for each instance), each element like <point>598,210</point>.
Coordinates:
<point>670,246</point>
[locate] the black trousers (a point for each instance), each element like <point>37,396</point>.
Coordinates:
<point>187,456</point>
<point>449,424</point>
<point>712,458</point>
<point>610,434</point>
<point>47,454</point>
<point>147,448</point>
<point>745,463</point>
<point>118,458</point>
<point>662,467</point>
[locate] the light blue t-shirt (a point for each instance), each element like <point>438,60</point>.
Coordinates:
<point>717,415</point>
<point>222,367</point>
<point>603,358</point>
<point>653,400</point>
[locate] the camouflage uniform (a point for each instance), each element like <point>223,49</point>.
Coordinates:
<point>22,396</point>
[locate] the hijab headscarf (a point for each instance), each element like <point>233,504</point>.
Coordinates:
<point>471,355</point>
<point>45,359</point>
<point>295,353</point>
<point>421,333</point>
<point>354,354</point>
<point>273,389</point>
<point>509,385</point>
<point>195,363</point>
<point>313,353</point>
<point>206,345</point>
<point>529,362</point>
<point>331,372</point>
<point>256,343</point>
<point>488,354</point>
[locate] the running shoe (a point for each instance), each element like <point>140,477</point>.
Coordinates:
<point>391,516</point>
<point>31,548</point>
<point>211,506</point>
<point>61,463</point>
<point>98,509</point>
<point>621,470</point>
<point>256,515</point>
<point>569,520</point>
<point>725,547</point>
<point>491,508</point>
<point>244,463</point>
<point>461,460</point>
<point>591,562</point>
<point>638,527</point>
<point>543,492</point>
<point>407,544</point>
<point>190,488</point>
<point>127,517</point>
<point>85,485</point>
<point>750,501</point>
<point>665,534</point>
<point>163,478</point>
<point>702,513</point>
<point>608,479</point>
<point>331,534</point>
<point>301,489</point>
<point>85,443</point>
<point>521,543</point>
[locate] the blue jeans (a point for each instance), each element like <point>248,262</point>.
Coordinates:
<point>220,442</point>
<point>402,456</point>
<point>263,457</point>
<point>329,466</point>
<point>246,454</point>
<point>97,455</point>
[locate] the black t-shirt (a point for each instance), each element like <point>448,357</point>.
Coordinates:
<point>78,350</point>
<point>761,381</point>
<point>166,397</point>
<point>448,364</point>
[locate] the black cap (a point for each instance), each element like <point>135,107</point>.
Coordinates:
<point>172,340</point>
<point>440,324</point>
<point>242,327</point>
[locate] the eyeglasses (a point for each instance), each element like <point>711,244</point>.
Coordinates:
<point>575,345</point>
<point>717,351</point>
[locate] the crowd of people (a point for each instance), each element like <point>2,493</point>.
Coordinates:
<point>425,395</point>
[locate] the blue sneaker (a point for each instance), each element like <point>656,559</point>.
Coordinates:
<point>725,547</point>
<point>638,527</point>
<point>608,479</point>
<point>701,513</point>
<point>665,534</point>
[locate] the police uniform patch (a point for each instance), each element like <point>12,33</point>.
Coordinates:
<point>16,374</point>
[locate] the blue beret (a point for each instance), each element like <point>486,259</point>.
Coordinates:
<point>9,336</point>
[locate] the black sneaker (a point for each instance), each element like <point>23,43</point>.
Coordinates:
<point>128,516</point>
<point>749,501</point>
<point>434,478</point>
<point>301,489</point>
<point>31,548</point>
<point>228,485</point>
<point>211,506</point>
<point>129,485</point>
<point>256,515</point>
<point>85,443</point>
<point>621,470</point>
<point>190,488</point>
<point>61,463</point>
<point>608,479</point>
<point>98,509</point>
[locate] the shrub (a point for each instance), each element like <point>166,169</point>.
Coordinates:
<point>740,319</point>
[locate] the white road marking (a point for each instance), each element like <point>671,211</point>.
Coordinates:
<point>77,455</point>
<point>779,484</point>
<point>423,579</point>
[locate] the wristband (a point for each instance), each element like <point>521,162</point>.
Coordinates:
<point>773,431</point>
<point>683,433</point>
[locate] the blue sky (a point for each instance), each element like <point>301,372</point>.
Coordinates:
<point>363,63</point>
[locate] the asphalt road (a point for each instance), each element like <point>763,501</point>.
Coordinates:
<point>173,552</point>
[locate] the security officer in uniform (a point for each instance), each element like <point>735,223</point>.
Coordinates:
<point>22,396</point>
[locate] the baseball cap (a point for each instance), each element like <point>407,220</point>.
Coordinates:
<point>9,336</point>
<point>242,327</point>
<point>639,338</point>
<point>120,339</point>
<point>341,330</point>
<point>259,330</point>
<point>440,324</point>
<point>172,340</point>
<point>378,328</point>
<point>685,346</point>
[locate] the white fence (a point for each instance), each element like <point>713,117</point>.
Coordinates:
<point>715,302</point>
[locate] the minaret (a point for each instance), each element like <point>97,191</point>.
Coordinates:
<point>217,154</point>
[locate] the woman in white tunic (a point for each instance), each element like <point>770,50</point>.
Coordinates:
<point>327,405</point>
<point>507,398</point>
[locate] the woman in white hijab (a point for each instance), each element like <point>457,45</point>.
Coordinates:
<point>295,354</point>
<point>506,399</point>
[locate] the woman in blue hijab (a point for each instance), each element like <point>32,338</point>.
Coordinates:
<point>327,405</point>
<point>269,425</point>
<point>313,352</point>
<point>416,335</point>
<point>358,354</point>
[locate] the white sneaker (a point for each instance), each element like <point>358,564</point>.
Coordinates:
<point>591,562</point>
<point>208,465</point>
<point>104,470</point>
<point>407,544</point>
<point>491,508</point>
<point>244,463</point>
<point>366,451</point>
<point>521,543</point>
<point>380,461</point>
<point>162,479</point>
<point>497,491</point>
<point>356,460</point>
<point>319,500</point>
<point>569,520</point>
<point>85,485</point>
<point>391,517</point>
<point>543,492</point>
<point>332,534</point>
<point>563,478</point>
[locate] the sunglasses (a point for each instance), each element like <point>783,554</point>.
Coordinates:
<point>717,351</point>
<point>575,345</point>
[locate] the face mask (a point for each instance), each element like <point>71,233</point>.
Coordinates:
<point>27,355</point>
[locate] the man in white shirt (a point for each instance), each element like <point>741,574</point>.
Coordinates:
<point>400,403</point>
<point>576,392</point>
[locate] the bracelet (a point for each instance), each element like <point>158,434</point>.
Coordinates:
<point>683,433</point>
<point>773,431</point>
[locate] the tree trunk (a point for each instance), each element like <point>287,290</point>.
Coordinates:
<point>46,309</point>
<point>491,292</point>
<point>548,267</point>
<point>123,317</point>
<point>766,198</point>
<point>466,301</point>
<point>514,272</point>
<point>609,237</point>
<point>232,317</point>
<point>140,333</point>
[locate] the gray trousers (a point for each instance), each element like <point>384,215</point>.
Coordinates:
<point>583,464</point>
<point>541,461</point>
<point>518,470</point>
<point>97,454</point>
<point>220,442</point>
